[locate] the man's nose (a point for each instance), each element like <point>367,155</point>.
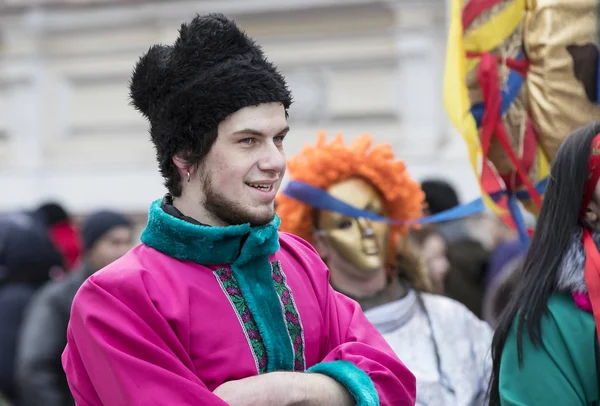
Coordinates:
<point>272,159</point>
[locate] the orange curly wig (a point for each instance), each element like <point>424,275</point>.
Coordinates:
<point>324,165</point>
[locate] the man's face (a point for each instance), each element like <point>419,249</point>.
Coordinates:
<point>242,173</point>
<point>111,246</point>
<point>358,241</point>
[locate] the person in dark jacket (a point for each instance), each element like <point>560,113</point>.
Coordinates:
<point>439,197</point>
<point>41,379</point>
<point>27,257</point>
<point>62,231</point>
<point>465,281</point>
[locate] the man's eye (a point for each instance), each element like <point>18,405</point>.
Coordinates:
<point>279,139</point>
<point>247,141</point>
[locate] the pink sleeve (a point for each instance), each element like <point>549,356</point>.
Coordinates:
<point>360,358</point>
<point>122,352</point>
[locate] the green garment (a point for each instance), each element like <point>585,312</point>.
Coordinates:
<point>563,371</point>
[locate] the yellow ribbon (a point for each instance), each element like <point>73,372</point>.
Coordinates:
<point>456,98</point>
<point>491,34</point>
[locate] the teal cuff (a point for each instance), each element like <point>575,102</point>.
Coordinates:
<point>356,381</point>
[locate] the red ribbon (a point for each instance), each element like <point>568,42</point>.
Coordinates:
<point>528,157</point>
<point>518,65</point>
<point>474,8</point>
<point>492,124</point>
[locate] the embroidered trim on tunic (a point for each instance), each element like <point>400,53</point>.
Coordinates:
<point>292,317</point>
<point>295,331</point>
<point>230,286</point>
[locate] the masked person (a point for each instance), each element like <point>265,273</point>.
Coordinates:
<point>334,192</point>
<point>545,347</point>
<point>215,306</point>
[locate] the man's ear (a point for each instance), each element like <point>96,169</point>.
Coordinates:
<point>184,167</point>
<point>181,163</point>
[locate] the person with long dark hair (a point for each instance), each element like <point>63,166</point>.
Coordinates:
<point>545,349</point>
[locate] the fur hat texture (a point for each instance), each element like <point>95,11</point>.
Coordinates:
<point>211,71</point>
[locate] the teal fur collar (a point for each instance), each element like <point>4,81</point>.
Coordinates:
<point>208,245</point>
<point>246,251</point>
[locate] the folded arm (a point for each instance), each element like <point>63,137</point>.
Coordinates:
<point>285,389</point>
<point>121,351</point>
<point>360,359</point>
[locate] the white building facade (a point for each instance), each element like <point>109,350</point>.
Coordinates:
<point>67,130</point>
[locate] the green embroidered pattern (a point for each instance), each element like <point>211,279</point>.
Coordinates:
<point>292,317</point>
<point>230,286</point>
<point>232,289</point>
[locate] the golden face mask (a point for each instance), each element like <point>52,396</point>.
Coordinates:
<point>361,242</point>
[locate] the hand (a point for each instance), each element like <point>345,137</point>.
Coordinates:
<point>284,389</point>
<point>238,393</point>
<point>261,390</point>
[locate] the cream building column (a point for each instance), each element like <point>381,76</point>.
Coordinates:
<point>418,87</point>
<point>429,143</point>
<point>22,90</point>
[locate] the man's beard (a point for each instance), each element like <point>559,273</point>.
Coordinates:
<point>231,212</point>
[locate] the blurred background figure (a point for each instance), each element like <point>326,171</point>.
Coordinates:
<point>27,258</point>
<point>373,262</point>
<point>500,280</point>
<point>440,196</point>
<point>501,289</point>
<point>467,252</point>
<point>434,251</point>
<point>62,231</point>
<point>106,236</point>
<point>464,282</point>
<point>476,247</point>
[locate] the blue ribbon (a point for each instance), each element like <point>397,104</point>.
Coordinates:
<point>321,200</point>
<point>509,93</point>
<point>517,216</point>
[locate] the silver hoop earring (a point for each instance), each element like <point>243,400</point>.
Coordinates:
<point>188,174</point>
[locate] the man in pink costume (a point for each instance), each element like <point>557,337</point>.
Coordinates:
<point>216,306</point>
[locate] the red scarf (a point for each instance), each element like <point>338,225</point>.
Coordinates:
<point>592,256</point>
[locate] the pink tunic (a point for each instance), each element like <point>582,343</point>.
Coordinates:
<point>153,330</point>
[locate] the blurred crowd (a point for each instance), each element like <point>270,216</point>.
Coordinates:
<point>46,254</point>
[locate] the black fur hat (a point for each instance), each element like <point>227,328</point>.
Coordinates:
<point>211,71</point>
